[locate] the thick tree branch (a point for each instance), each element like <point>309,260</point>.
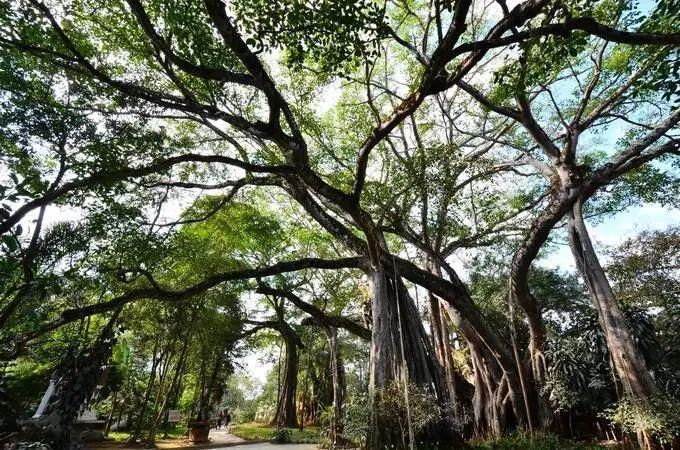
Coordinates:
<point>279,325</point>
<point>208,73</point>
<point>487,103</point>
<point>586,24</point>
<point>319,316</point>
<point>159,293</point>
<point>105,177</point>
<point>277,104</point>
<point>456,294</point>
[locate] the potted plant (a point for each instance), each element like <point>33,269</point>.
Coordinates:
<point>198,430</point>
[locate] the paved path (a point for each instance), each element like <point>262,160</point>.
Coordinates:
<point>222,437</point>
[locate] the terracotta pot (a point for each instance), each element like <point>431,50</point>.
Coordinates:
<point>199,430</point>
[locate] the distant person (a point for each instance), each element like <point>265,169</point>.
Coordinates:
<point>220,419</point>
<point>227,418</point>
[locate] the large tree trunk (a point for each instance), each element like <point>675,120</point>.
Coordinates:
<point>398,331</point>
<point>285,409</point>
<point>629,364</point>
<point>521,295</point>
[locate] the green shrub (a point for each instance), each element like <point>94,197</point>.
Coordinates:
<point>357,418</point>
<point>539,441</point>
<point>660,417</point>
<point>422,406</point>
<point>326,422</point>
<point>282,436</point>
<point>246,412</point>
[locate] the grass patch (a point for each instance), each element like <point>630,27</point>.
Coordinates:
<point>119,435</point>
<point>259,431</point>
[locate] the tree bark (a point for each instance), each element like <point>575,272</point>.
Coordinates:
<point>442,347</point>
<point>338,377</point>
<point>398,331</point>
<point>149,386</point>
<point>493,396</point>
<point>204,408</point>
<point>174,391</point>
<point>519,287</point>
<point>497,355</point>
<point>629,363</point>
<point>488,408</point>
<point>285,410</point>
<point>562,195</point>
<point>157,412</point>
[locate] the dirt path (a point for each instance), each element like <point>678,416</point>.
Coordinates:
<point>222,437</point>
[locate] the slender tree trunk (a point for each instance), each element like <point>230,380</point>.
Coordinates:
<point>488,412</point>
<point>338,377</point>
<point>442,348</point>
<point>173,392</point>
<point>536,343</point>
<point>630,366</point>
<point>109,419</point>
<point>304,416</point>
<point>442,345</point>
<point>157,413</point>
<point>541,413</point>
<point>492,395</point>
<point>149,386</point>
<point>204,408</point>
